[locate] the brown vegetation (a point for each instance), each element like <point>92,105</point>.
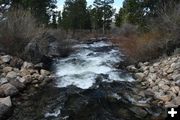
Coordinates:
<point>163,37</point>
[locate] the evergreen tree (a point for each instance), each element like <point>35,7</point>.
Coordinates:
<point>59,22</point>
<point>41,9</point>
<point>75,15</point>
<point>103,13</point>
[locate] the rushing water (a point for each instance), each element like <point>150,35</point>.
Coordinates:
<point>89,86</point>
<point>90,61</point>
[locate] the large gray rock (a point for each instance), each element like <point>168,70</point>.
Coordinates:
<point>5,58</point>
<point>9,90</point>
<point>43,45</point>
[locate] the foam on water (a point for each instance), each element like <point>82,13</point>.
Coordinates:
<point>55,114</point>
<point>82,67</point>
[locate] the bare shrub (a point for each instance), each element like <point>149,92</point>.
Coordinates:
<point>168,25</point>
<point>16,30</point>
<point>139,47</point>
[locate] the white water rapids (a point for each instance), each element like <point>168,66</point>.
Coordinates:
<point>82,67</point>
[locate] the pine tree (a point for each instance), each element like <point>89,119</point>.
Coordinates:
<point>104,10</point>
<point>75,15</point>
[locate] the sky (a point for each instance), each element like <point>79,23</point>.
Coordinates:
<point>117,4</point>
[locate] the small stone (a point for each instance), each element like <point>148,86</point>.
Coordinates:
<point>151,69</point>
<point>5,58</point>
<point>16,83</point>
<point>156,64</point>
<point>170,105</point>
<point>170,70</point>
<point>175,89</point>
<point>6,101</point>
<point>165,88</point>
<point>44,72</point>
<point>139,76</point>
<point>165,98</point>
<point>3,81</point>
<point>9,90</point>
<point>26,79</point>
<point>11,74</point>
<point>27,65</point>
<point>155,88</point>
<point>7,69</point>
<point>149,92</point>
<point>173,65</point>
<point>176,77</point>
<point>178,83</point>
<point>177,100</point>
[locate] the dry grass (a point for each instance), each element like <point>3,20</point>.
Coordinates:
<point>140,47</point>
<point>16,31</point>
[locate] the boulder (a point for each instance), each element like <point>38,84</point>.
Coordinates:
<point>165,88</point>
<point>11,74</point>
<point>140,112</point>
<point>7,69</point>
<point>5,58</point>
<point>44,45</point>
<point>6,101</point>
<point>9,90</point>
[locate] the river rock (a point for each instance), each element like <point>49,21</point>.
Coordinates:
<point>139,76</point>
<point>11,74</point>
<point>3,81</point>
<point>177,100</point>
<point>27,65</point>
<point>16,83</point>
<point>132,68</point>
<point>5,58</point>
<point>24,72</point>
<point>44,72</point>
<point>165,98</point>
<point>9,90</point>
<point>7,69</point>
<point>178,83</point>
<point>16,62</point>
<point>6,101</point>
<point>25,79</point>
<point>165,88</point>
<point>176,77</point>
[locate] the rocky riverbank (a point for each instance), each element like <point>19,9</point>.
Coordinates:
<point>159,81</point>
<point>16,76</point>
